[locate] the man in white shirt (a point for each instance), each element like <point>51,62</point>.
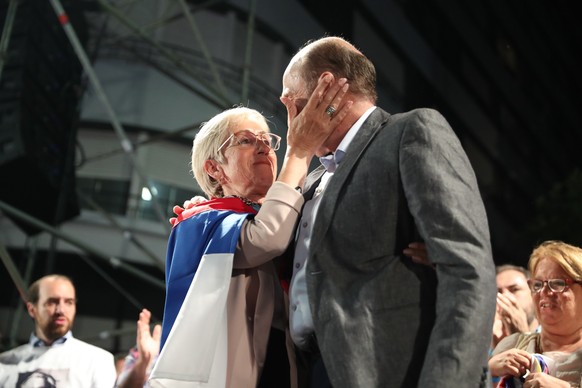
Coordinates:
<point>52,353</point>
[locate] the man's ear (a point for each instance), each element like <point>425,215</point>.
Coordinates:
<point>213,169</point>
<point>31,309</point>
<point>322,75</point>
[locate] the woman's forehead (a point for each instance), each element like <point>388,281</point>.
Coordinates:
<point>548,264</point>
<point>253,124</point>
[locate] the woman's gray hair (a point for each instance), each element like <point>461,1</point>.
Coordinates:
<point>211,135</point>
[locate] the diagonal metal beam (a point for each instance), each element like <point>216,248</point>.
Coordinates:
<point>94,252</point>
<point>149,140</point>
<point>203,47</point>
<point>18,281</point>
<point>114,284</point>
<point>207,96</point>
<point>163,50</point>
<point>248,51</point>
<point>125,142</point>
<point>7,32</point>
<point>193,8</point>
<point>128,234</point>
<point>21,284</point>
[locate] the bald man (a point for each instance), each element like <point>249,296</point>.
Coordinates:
<point>361,314</point>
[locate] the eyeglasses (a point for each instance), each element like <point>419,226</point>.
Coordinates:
<point>249,139</point>
<point>555,285</point>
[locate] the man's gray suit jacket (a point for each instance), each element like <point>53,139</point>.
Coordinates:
<point>380,319</point>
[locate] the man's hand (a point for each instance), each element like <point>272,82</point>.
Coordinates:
<point>513,317</point>
<point>148,343</point>
<point>189,203</point>
<point>148,347</point>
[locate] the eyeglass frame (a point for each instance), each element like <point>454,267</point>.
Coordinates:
<point>568,283</point>
<point>256,137</point>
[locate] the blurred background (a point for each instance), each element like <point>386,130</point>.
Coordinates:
<point>98,110</point>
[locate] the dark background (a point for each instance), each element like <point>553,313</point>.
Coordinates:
<point>506,74</point>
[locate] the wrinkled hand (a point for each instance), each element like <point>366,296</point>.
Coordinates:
<point>513,362</point>
<point>513,317</point>
<point>148,343</point>
<point>417,252</point>
<point>189,203</point>
<point>543,380</point>
<point>308,129</point>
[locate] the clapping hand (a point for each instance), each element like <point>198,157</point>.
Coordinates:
<point>148,343</point>
<point>513,316</point>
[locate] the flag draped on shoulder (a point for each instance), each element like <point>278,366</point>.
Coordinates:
<point>198,270</point>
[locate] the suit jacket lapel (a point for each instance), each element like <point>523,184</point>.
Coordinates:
<point>367,132</point>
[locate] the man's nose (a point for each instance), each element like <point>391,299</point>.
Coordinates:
<point>61,306</point>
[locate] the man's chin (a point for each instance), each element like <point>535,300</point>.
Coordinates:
<point>57,331</point>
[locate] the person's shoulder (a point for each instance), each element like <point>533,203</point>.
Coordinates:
<point>426,125</point>
<point>524,341</point>
<point>511,338</point>
<point>87,347</point>
<point>506,344</point>
<point>416,118</point>
<point>13,355</point>
<point>418,114</point>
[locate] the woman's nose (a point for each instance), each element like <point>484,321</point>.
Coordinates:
<point>263,146</point>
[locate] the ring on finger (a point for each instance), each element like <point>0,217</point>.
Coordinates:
<point>330,110</point>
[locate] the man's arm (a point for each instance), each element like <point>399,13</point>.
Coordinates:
<point>445,202</point>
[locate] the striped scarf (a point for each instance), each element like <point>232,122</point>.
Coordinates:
<point>539,364</point>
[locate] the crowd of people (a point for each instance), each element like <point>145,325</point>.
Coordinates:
<point>373,270</point>
<point>551,355</point>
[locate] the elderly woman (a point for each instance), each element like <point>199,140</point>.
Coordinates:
<point>556,287</point>
<point>223,293</point>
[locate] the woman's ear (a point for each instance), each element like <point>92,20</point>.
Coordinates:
<point>213,169</point>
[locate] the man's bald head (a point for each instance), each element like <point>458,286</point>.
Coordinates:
<point>337,56</point>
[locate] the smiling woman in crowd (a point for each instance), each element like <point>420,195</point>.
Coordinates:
<point>553,357</point>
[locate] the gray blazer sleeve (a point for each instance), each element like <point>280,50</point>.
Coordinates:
<point>444,199</point>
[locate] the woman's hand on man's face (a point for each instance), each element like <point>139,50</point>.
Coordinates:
<point>325,109</point>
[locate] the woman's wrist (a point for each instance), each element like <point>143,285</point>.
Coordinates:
<point>294,169</point>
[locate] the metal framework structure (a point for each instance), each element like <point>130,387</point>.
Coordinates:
<point>499,70</point>
<point>212,89</point>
